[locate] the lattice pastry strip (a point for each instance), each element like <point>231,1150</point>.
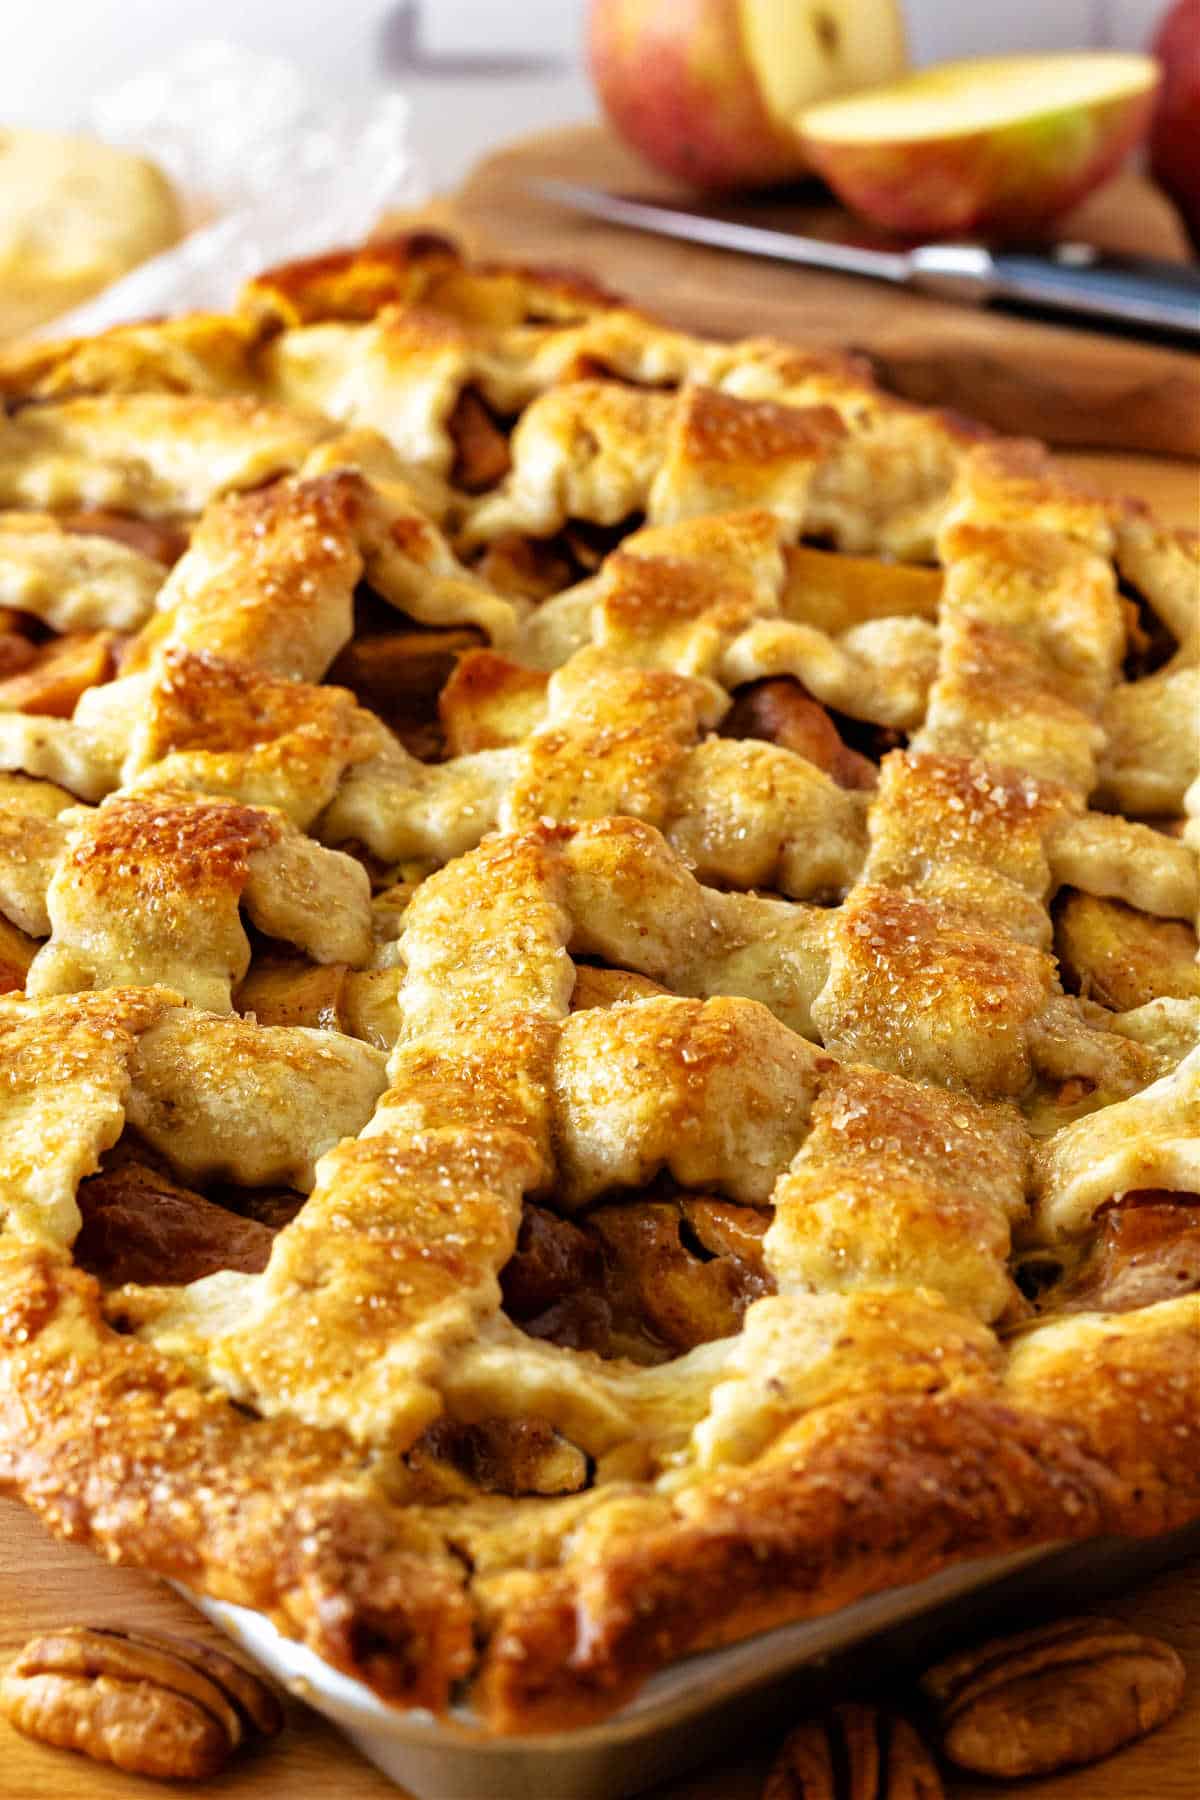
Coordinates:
<point>785,1364</point>
<point>898,1186</point>
<point>909,971</point>
<point>1151,756</point>
<point>394,1257</point>
<point>150,888</point>
<point>1123,958</point>
<point>619,740</point>
<point>32,839</point>
<point>76,1068</point>
<point>269,577</point>
<point>691,599</point>
<point>600,452</point>
<point>218,727</point>
<point>1149,1141</point>
<point>156,455</point>
<point>72,579</point>
<point>268,586</point>
<point>1152,753</point>
<point>999,843</point>
<point>200,353</point>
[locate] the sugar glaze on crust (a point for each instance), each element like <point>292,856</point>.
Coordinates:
<point>633,953</point>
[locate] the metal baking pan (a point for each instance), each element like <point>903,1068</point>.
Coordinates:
<point>696,1711</point>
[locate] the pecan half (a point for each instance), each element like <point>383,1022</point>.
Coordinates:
<point>1067,1693</point>
<point>151,1704</point>
<point>855,1753</point>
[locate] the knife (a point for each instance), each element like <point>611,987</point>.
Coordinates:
<point>1069,278</point>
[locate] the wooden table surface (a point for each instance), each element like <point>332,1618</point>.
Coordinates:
<point>44,1583</point>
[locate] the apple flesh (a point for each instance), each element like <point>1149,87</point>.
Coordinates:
<point>998,145</point>
<point>708,89</point>
<point>1175,131</point>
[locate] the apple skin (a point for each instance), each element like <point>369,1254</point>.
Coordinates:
<point>1175,129</point>
<point>1009,181</point>
<point>677,84</point>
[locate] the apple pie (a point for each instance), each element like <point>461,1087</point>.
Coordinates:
<point>601,1025</point>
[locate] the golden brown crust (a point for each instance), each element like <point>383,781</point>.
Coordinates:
<point>118,1462</point>
<point>349,284</point>
<point>846,1517</point>
<point>410,267</point>
<point>863,1247</point>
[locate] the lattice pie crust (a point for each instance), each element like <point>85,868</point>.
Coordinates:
<point>602,1037</point>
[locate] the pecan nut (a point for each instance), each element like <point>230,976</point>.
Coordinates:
<point>152,1704</point>
<point>854,1753</point>
<point>1067,1693</point>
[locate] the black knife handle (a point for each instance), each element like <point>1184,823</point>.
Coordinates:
<point>1075,278</point>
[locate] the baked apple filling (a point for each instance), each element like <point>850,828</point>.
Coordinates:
<point>140,1225</point>
<point>41,672</point>
<point>17,951</point>
<point>481,453</point>
<point>397,668</point>
<point>289,990</point>
<point>1149,640</point>
<point>782,711</point>
<point>645,1278</point>
<point>527,568</point>
<point>1147,1249</point>
<point>834,591</point>
<point>454,1459</point>
<point>72,589</point>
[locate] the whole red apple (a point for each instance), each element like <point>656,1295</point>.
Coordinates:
<point>708,89</point>
<point>1175,130</point>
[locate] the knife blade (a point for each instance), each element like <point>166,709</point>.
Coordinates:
<point>1068,278</point>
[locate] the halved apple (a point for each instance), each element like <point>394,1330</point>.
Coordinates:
<point>1175,131</point>
<point>708,89</point>
<point>997,144</point>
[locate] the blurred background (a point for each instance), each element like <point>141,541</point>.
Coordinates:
<point>474,71</point>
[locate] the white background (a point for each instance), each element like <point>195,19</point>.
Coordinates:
<point>56,53</point>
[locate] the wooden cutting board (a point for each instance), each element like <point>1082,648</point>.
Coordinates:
<point>1068,385</point>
